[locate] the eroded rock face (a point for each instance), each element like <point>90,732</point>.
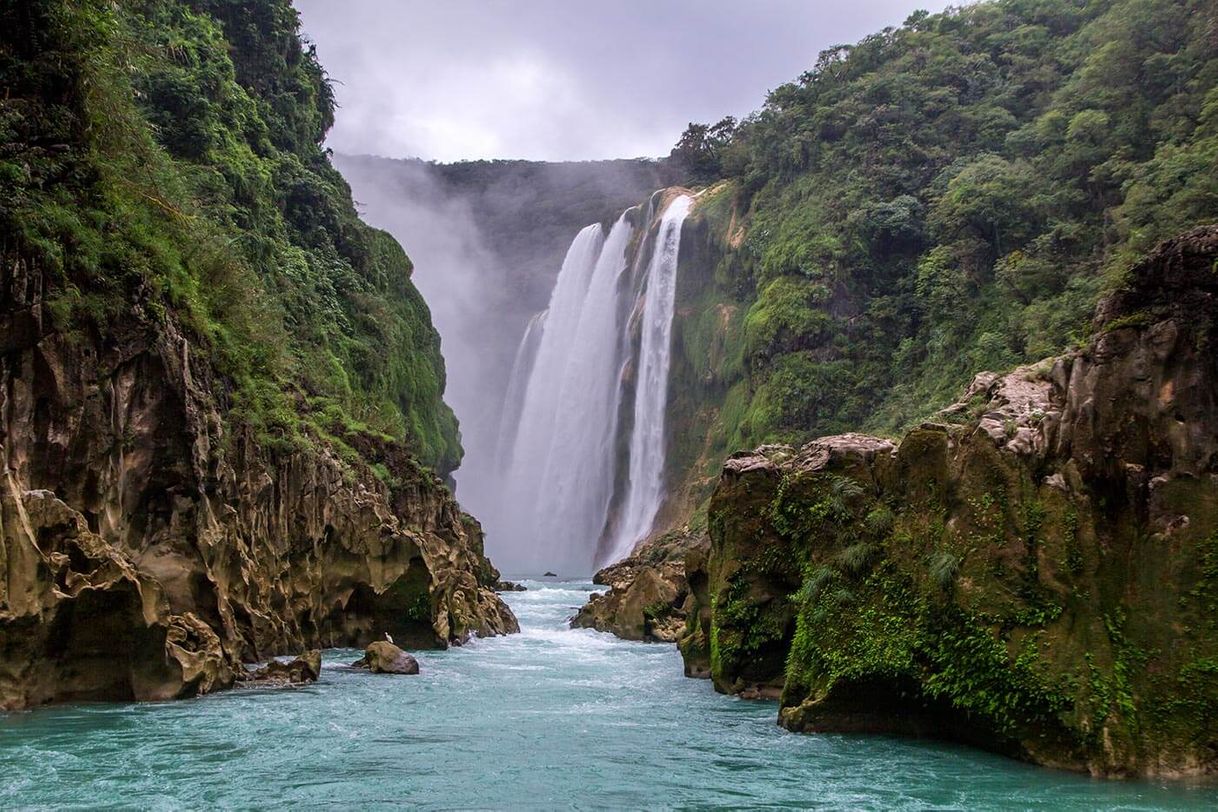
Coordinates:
<point>743,647</point>
<point>145,551</point>
<point>1035,573</point>
<point>648,597</point>
<point>297,671</point>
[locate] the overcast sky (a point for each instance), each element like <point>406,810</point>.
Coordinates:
<point>564,79</point>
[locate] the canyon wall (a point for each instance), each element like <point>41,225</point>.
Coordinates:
<point>1033,571</point>
<point>222,432</point>
<point>149,548</point>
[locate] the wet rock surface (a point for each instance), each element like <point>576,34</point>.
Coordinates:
<point>648,596</point>
<point>383,657</point>
<point>298,671</point>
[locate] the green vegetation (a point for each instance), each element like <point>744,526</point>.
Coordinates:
<point>877,606</point>
<point>941,199</point>
<point>950,196</point>
<point>998,609</point>
<point>162,169</point>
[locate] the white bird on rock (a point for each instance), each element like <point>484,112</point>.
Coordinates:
<point>387,637</point>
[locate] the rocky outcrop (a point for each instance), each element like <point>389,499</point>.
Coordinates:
<point>149,545</point>
<point>383,657</point>
<point>648,597</point>
<point>743,647</point>
<point>297,671</point>
<point>1035,572</point>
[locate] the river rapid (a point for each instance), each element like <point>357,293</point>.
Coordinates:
<point>549,718</point>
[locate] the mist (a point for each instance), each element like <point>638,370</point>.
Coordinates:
<point>487,241</point>
<point>454,271</point>
<point>559,83</point>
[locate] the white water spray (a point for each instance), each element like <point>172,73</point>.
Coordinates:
<point>513,399</point>
<point>561,462</point>
<point>560,475</point>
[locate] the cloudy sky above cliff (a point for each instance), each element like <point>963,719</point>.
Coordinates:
<point>564,80</point>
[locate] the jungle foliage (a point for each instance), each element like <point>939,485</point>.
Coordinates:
<point>953,195</point>
<point>162,160</point>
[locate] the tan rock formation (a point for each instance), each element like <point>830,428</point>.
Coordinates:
<point>147,548</point>
<point>383,657</point>
<point>297,671</point>
<point>648,597</point>
<point>1035,574</point>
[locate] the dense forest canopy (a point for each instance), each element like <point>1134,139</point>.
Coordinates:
<point>950,196</point>
<point>163,175</point>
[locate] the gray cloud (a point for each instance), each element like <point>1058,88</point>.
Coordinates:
<point>564,80</point>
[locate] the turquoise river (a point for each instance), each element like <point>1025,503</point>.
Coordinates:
<point>549,718</point>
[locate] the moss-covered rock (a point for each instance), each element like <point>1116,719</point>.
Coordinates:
<point>1033,573</point>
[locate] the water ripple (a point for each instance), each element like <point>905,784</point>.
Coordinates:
<point>551,718</point>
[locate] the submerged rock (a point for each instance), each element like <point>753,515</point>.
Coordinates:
<point>383,657</point>
<point>302,669</point>
<point>1035,574</point>
<point>510,586</point>
<point>648,597</point>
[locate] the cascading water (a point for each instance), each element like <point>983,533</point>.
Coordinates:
<point>645,488</point>
<point>560,473</point>
<point>513,400</point>
<point>561,465</point>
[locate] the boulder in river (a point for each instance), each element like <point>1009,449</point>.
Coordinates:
<point>383,657</point>
<point>305,668</point>
<point>648,597</point>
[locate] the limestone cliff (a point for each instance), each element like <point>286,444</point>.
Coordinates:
<point>1034,572</point>
<point>147,551</point>
<point>221,396</point>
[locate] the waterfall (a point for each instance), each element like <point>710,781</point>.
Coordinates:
<point>513,400</point>
<point>560,474</point>
<point>645,488</point>
<point>561,462</point>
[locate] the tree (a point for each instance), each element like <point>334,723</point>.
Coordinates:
<point>699,153</point>
<point>990,197</point>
